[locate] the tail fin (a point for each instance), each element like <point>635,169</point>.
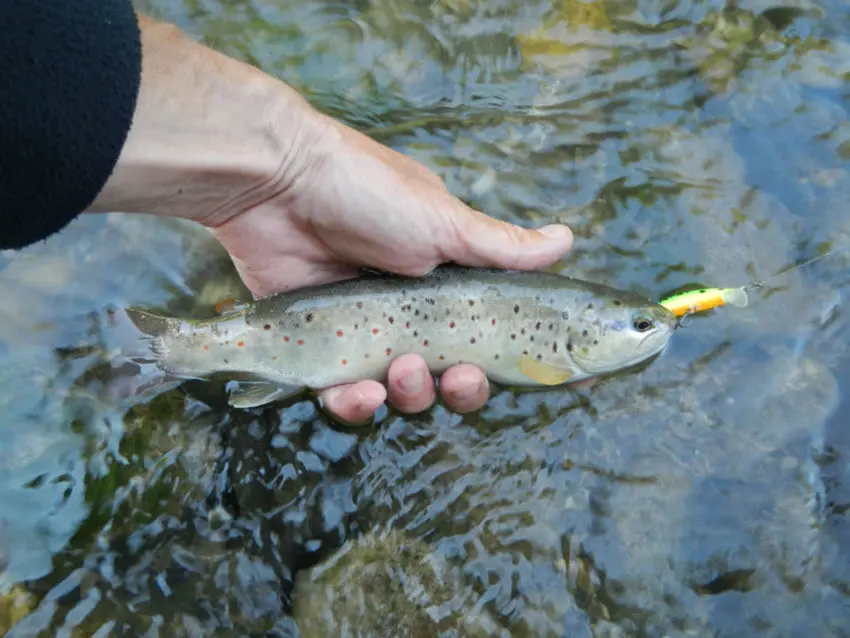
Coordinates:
<point>154,327</point>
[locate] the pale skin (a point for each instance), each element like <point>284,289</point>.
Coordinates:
<point>298,198</point>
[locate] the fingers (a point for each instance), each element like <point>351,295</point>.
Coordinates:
<point>410,384</point>
<point>464,388</point>
<point>355,402</point>
<point>411,389</point>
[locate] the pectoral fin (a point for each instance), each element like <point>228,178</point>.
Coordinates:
<point>543,373</point>
<point>252,394</point>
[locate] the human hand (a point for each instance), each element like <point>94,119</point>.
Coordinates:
<point>352,203</point>
<point>299,199</point>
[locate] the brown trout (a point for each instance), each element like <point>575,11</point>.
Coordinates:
<point>521,328</point>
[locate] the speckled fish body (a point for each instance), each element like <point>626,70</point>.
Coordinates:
<point>521,328</point>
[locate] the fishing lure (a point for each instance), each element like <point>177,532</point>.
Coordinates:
<point>703,299</point>
<point>693,301</point>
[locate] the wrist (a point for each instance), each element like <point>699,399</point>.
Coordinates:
<point>211,136</point>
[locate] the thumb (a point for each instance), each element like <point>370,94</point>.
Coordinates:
<point>482,241</point>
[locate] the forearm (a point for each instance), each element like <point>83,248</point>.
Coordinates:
<point>210,134</point>
<point>110,111</point>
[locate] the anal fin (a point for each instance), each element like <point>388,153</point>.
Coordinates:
<point>253,394</point>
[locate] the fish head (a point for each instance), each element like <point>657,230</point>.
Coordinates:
<point>620,332</point>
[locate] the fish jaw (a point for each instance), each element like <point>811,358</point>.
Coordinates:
<point>621,339</point>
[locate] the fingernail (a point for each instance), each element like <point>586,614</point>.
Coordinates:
<point>412,383</point>
<point>554,231</point>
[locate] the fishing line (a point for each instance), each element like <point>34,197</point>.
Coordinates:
<point>761,283</point>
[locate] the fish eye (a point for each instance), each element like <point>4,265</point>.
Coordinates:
<point>642,323</point>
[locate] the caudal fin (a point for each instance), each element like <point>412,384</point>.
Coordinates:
<point>154,328</point>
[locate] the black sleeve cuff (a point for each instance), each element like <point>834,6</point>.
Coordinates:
<point>70,75</point>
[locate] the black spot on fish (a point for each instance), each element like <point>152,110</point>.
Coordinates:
<point>584,333</point>
<point>471,302</point>
<point>565,314</point>
<point>416,312</point>
<point>569,346</point>
<point>531,338</point>
<point>554,346</point>
<point>356,326</point>
<point>359,304</point>
<point>309,317</point>
<point>590,306</point>
<point>513,336</point>
<point>227,361</point>
<point>267,326</point>
<point>551,326</point>
<point>522,331</point>
<point>595,342</point>
<point>617,302</point>
<point>495,356</point>
<point>425,317</point>
<point>537,326</point>
<point>415,333</point>
<point>525,351</point>
<point>472,340</point>
<point>516,309</point>
<point>539,357</point>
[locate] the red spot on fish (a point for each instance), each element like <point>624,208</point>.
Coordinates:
<point>442,358</point>
<point>300,342</point>
<point>359,304</point>
<point>345,362</point>
<point>451,324</point>
<point>286,339</point>
<point>374,331</point>
<point>472,340</point>
<point>206,347</point>
<point>268,326</point>
<point>389,351</point>
<point>390,319</point>
<point>274,358</point>
<point>240,343</point>
<point>425,343</point>
<point>407,324</point>
<point>339,333</point>
<point>493,322</point>
<point>224,303</point>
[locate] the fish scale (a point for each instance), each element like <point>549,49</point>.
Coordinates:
<point>521,328</point>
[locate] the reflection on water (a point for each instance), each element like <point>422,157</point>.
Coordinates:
<point>706,496</point>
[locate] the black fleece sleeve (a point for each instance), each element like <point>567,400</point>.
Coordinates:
<point>70,75</point>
